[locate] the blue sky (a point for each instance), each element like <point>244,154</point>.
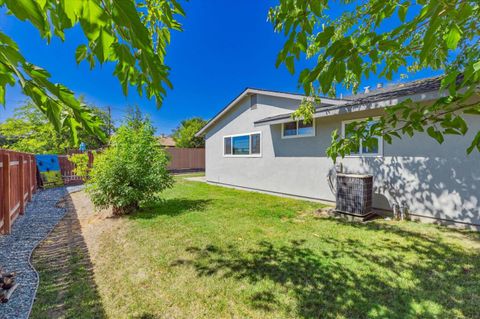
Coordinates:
<point>225,47</point>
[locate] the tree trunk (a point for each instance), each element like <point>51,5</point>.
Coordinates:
<point>125,210</point>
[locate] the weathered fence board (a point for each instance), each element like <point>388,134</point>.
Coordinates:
<point>18,180</point>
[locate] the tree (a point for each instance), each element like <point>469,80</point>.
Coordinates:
<point>30,131</point>
<point>384,38</point>
<point>184,134</point>
<point>132,34</point>
<point>132,170</point>
<point>80,162</point>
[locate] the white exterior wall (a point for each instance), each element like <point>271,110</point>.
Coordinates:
<point>432,180</point>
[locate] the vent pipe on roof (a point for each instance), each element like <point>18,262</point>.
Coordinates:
<point>379,85</point>
<point>366,89</point>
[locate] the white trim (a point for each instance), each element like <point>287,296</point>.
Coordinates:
<point>297,135</point>
<point>249,144</point>
<point>248,92</point>
<point>360,154</point>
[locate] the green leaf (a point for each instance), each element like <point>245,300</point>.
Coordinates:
<point>2,95</point>
<point>475,144</point>
<point>290,63</point>
<point>460,124</point>
<point>435,134</point>
<point>302,41</point>
<point>125,14</point>
<point>453,37</point>
<point>402,12</point>
<point>72,10</point>
<point>81,53</point>
<point>103,45</point>
<point>323,38</point>
<point>316,7</point>
<point>340,71</point>
<point>29,10</point>
<point>93,18</point>
<point>476,66</point>
<point>303,75</point>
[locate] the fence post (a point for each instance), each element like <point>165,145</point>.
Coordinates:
<point>33,167</point>
<point>6,194</point>
<point>21,184</point>
<point>29,178</point>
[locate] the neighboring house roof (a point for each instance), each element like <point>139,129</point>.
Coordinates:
<point>166,141</point>
<point>253,91</point>
<point>376,96</point>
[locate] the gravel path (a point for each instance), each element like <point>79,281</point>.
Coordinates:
<point>28,231</point>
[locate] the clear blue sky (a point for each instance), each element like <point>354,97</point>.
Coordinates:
<point>225,47</point>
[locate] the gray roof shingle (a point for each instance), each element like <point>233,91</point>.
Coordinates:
<point>390,92</point>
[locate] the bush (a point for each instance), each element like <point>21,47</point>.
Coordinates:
<point>81,169</point>
<point>131,171</point>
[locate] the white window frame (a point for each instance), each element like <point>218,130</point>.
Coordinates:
<point>360,154</point>
<point>297,135</point>
<point>250,145</point>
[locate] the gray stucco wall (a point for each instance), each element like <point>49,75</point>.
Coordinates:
<point>432,180</point>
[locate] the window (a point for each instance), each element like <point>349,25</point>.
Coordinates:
<point>373,150</point>
<point>298,129</point>
<point>241,145</point>
<point>246,145</point>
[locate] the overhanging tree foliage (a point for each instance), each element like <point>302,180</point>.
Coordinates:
<point>132,34</point>
<point>29,130</point>
<point>384,38</point>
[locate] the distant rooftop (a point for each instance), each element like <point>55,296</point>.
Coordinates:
<point>166,141</point>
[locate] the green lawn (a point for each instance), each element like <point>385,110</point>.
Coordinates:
<point>213,252</point>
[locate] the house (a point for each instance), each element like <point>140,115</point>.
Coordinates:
<point>253,143</point>
<point>166,141</point>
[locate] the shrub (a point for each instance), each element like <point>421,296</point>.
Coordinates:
<point>131,171</point>
<point>81,169</point>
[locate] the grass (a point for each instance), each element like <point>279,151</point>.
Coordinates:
<point>213,252</point>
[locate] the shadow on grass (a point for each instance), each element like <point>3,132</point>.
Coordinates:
<point>171,207</point>
<point>418,277</point>
<point>67,288</point>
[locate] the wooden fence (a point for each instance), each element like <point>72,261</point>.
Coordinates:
<point>18,181</point>
<point>66,169</point>
<point>186,159</point>
<point>181,159</point>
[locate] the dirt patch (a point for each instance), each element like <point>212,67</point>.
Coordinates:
<point>65,261</point>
